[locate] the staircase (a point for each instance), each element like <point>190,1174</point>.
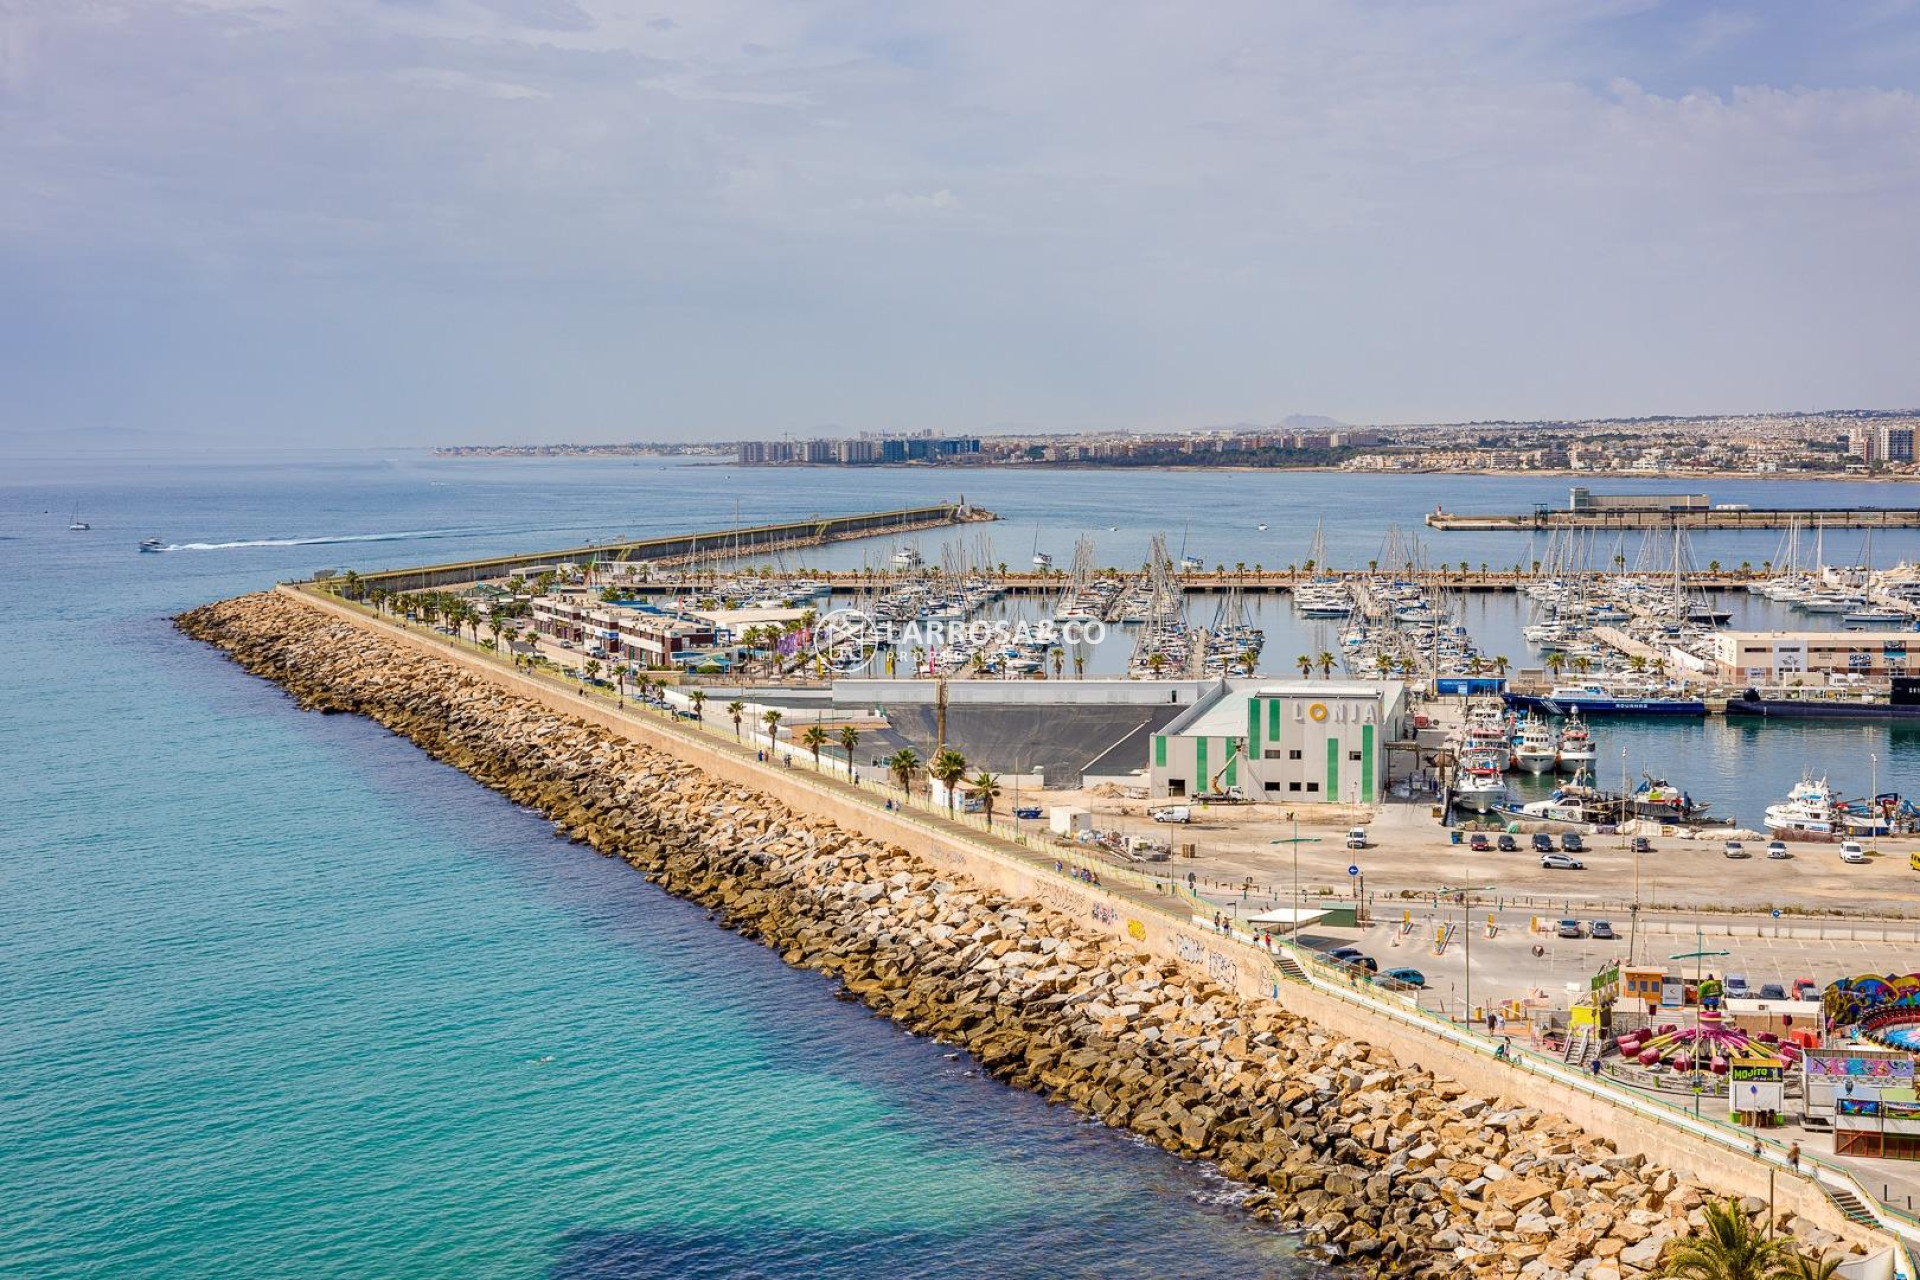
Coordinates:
<point>1579,1048</point>
<point>1851,1205</point>
<point>1289,967</point>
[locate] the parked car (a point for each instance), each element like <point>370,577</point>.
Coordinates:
<point>1772,991</point>
<point>1355,958</point>
<point>1642,845</point>
<point>1737,987</point>
<point>1737,850</point>
<point>1357,838</point>
<point>1542,842</point>
<point>1411,977</point>
<point>1777,850</point>
<point>1602,929</point>
<point>1173,813</point>
<point>1850,851</point>
<point>1507,844</point>
<point>1027,811</point>
<point>1561,862</point>
<point>1479,843</point>
<point>1571,929</point>
<point>1570,843</point>
<point>1805,989</point>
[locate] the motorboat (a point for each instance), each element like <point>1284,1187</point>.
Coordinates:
<point>1808,807</point>
<point>906,557</point>
<point>1659,799</point>
<point>1534,748</point>
<point>152,544</point>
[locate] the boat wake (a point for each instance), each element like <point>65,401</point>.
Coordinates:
<point>404,535</point>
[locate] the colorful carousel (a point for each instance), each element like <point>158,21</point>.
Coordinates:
<point>1711,1046</point>
<point>1886,1009</point>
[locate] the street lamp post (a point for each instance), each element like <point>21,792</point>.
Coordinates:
<point>1873,798</point>
<point>1466,924</point>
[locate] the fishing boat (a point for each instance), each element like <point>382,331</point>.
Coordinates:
<point>1808,807</point>
<point>1534,747</point>
<point>1577,749</point>
<point>1659,799</point>
<point>1482,784</point>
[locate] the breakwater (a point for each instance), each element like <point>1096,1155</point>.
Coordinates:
<point>1395,1165</point>
<point>683,547</point>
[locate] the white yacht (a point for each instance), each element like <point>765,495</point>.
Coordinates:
<point>1808,807</point>
<point>906,557</point>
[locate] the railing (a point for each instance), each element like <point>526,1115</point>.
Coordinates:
<point>1350,985</point>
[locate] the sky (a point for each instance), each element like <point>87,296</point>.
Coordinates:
<point>379,222</point>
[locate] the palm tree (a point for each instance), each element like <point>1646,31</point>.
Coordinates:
<point>736,709</point>
<point>699,700</point>
<point>1249,660</point>
<point>1500,665</point>
<point>1556,661</point>
<point>901,765</point>
<point>495,626</point>
<point>350,581</point>
<point>592,669</point>
<point>987,787</point>
<point>771,718</point>
<point>1156,663</point>
<point>1079,663</point>
<point>1801,1267</point>
<point>1305,664</point>
<point>949,766</point>
<point>1583,664</point>
<point>849,739</point>
<point>813,739</point>
<point>1059,657</point>
<point>1383,664</point>
<point>1731,1248</point>
<point>1326,661</point>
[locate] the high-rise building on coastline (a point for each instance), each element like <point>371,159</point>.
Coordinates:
<point>856,452</point>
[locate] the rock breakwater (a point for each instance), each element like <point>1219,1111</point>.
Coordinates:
<point>1384,1164</point>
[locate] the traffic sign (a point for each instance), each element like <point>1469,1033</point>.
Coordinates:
<point>1353,871</point>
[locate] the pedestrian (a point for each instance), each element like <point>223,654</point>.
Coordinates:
<point>1793,1157</point>
<point>1491,1018</point>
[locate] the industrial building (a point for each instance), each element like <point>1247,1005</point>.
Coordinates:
<point>1780,657</point>
<point>1581,499</point>
<point>1292,742</point>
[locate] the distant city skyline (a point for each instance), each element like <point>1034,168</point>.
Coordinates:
<point>286,223</point>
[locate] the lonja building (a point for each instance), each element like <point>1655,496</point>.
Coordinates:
<point>1286,742</point>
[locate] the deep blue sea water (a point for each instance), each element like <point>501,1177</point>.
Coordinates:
<point>279,996</point>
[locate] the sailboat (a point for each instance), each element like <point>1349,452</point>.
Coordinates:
<point>1041,560</point>
<point>78,525</point>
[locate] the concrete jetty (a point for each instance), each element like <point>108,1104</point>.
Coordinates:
<point>1397,1149</point>
<point>676,548</point>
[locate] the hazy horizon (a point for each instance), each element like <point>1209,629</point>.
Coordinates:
<point>285,224</point>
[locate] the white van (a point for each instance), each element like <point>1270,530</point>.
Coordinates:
<point>1175,813</point>
<point>1850,851</point>
<point>1357,838</point>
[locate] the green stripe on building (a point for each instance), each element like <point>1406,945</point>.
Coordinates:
<point>1366,764</point>
<point>1253,727</point>
<point>1333,770</point>
<point>1199,765</point>
<point>1159,750</point>
<point>1273,720</point>
<point>1230,745</point>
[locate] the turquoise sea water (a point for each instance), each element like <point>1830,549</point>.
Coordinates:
<point>279,996</point>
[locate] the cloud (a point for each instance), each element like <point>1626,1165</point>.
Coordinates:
<point>747,214</point>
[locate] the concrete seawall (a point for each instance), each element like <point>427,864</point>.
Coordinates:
<point>335,657</point>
